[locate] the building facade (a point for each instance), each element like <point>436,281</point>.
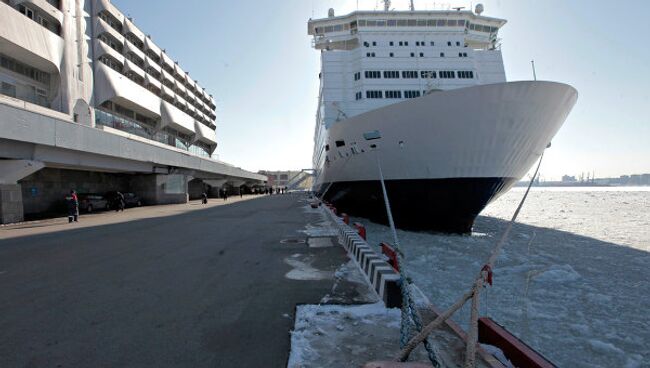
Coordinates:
<point>291,179</point>
<point>85,59</point>
<point>89,102</point>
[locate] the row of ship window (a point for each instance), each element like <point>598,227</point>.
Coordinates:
<point>388,94</point>
<point>406,23</point>
<point>413,74</point>
<point>406,43</point>
<point>391,54</point>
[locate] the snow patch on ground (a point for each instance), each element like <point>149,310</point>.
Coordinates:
<point>321,242</point>
<point>343,336</point>
<point>303,269</point>
<point>350,273</point>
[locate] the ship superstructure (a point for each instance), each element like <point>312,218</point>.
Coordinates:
<point>370,59</point>
<point>454,133</point>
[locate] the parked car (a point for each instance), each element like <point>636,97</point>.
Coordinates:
<point>89,202</point>
<point>130,199</point>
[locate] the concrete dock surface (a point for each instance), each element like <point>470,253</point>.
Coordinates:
<point>166,286</point>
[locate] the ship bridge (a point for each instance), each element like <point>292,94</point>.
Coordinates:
<point>342,32</point>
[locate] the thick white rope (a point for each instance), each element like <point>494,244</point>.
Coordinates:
<point>472,337</point>
<point>408,311</point>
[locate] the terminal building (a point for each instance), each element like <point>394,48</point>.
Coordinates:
<point>290,179</point>
<point>89,102</point>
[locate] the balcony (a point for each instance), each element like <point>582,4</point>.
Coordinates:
<point>130,28</point>
<point>167,62</point>
<point>180,88</point>
<point>110,85</point>
<point>105,5</point>
<point>134,50</point>
<point>150,80</point>
<point>126,125</point>
<point>179,74</point>
<point>168,80</point>
<point>174,118</point>
<point>102,27</point>
<point>205,134</point>
<point>152,49</point>
<point>130,66</point>
<point>29,42</point>
<point>51,12</point>
<point>102,49</point>
<point>167,94</point>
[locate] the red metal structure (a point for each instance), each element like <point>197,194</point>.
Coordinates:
<point>519,354</point>
<point>360,229</point>
<point>389,252</point>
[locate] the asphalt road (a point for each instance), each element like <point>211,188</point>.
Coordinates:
<point>204,287</point>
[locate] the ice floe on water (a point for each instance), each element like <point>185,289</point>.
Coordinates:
<point>573,281</point>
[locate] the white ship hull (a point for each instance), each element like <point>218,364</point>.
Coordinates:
<point>445,155</point>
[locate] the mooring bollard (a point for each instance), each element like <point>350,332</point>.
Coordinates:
<point>361,230</point>
<point>389,252</point>
<point>346,218</point>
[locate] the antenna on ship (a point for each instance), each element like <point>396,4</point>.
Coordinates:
<point>386,5</point>
<point>340,112</point>
<point>412,6</point>
<point>532,62</point>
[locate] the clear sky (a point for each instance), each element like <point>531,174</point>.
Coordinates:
<point>255,58</point>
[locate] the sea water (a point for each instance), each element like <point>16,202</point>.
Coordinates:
<point>573,280</point>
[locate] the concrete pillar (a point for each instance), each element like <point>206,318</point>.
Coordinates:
<point>214,192</point>
<point>11,203</point>
<point>160,188</point>
<point>11,195</point>
<point>215,186</point>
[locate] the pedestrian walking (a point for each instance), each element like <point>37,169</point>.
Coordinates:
<point>225,194</point>
<point>73,206</point>
<point>205,198</point>
<point>241,192</point>
<point>120,202</point>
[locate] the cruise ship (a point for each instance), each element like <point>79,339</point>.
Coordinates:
<point>423,96</point>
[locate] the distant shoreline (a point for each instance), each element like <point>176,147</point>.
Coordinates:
<point>521,184</point>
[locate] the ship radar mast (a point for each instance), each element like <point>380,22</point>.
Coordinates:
<point>387,5</point>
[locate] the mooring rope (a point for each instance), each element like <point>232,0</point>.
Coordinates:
<point>409,311</point>
<point>473,293</point>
